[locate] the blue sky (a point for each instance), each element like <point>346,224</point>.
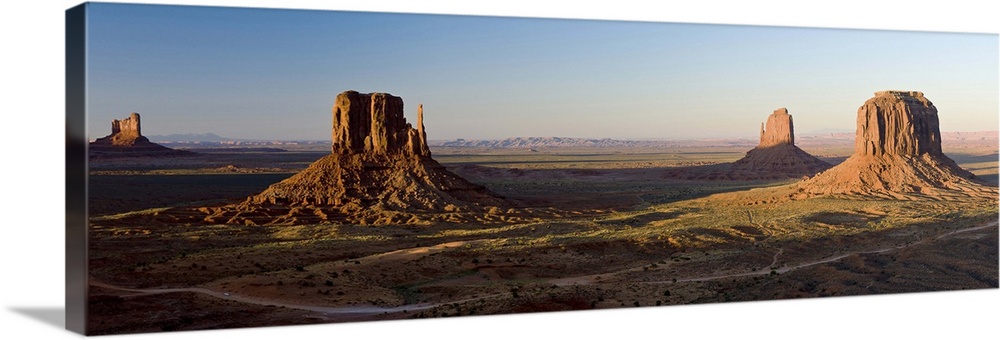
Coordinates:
<point>274,74</point>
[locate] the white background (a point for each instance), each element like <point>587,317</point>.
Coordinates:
<point>32,190</point>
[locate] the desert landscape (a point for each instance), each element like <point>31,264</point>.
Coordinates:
<point>385,222</point>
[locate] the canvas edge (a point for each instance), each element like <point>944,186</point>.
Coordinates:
<point>76,118</point>
<point>76,170</point>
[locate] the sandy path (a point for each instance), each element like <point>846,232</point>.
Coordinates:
<point>411,253</point>
<point>267,302</point>
<point>774,259</point>
<point>353,310</point>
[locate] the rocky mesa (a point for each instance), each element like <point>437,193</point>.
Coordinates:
<point>379,171</point>
<point>897,154</point>
<point>126,140</point>
<point>776,153</point>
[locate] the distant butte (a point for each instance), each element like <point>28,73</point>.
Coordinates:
<point>897,153</point>
<point>778,130</point>
<point>776,153</point>
<point>379,171</point>
<point>126,140</point>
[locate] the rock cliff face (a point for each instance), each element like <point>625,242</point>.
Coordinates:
<point>127,131</point>
<point>374,124</point>
<point>777,155</point>
<point>897,153</point>
<point>126,140</point>
<point>778,129</point>
<point>380,171</point>
<point>901,123</point>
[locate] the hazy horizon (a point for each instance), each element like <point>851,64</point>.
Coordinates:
<point>273,74</point>
<point>752,138</point>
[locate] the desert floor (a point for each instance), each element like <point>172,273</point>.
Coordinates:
<point>623,229</point>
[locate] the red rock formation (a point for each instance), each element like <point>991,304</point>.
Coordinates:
<point>900,123</point>
<point>126,131</point>
<point>421,137</point>
<point>374,124</point>
<point>126,140</point>
<point>897,153</point>
<point>380,171</point>
<point>778,129</point>
<point>776,155</point>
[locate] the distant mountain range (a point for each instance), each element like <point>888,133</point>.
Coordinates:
<point>566,142</point>
<point>531,142</point>
<point>188,137</point>
<point>569,142</point>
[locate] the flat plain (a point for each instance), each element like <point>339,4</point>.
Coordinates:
<point>621,227</point>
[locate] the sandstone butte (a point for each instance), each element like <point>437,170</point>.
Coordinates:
<point>897,154</point>
<point>379,171</point>
<point>126,140</point>
<point>776,153</point>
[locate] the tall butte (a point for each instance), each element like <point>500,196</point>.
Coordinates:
<point>126,140</point>
<point>776,154</point>
<point>897,153</point>
<point>380,171</point>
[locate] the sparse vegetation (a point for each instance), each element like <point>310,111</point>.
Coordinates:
<point>598,246</point>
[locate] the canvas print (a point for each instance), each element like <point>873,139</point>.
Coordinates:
<point>244,167</point>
